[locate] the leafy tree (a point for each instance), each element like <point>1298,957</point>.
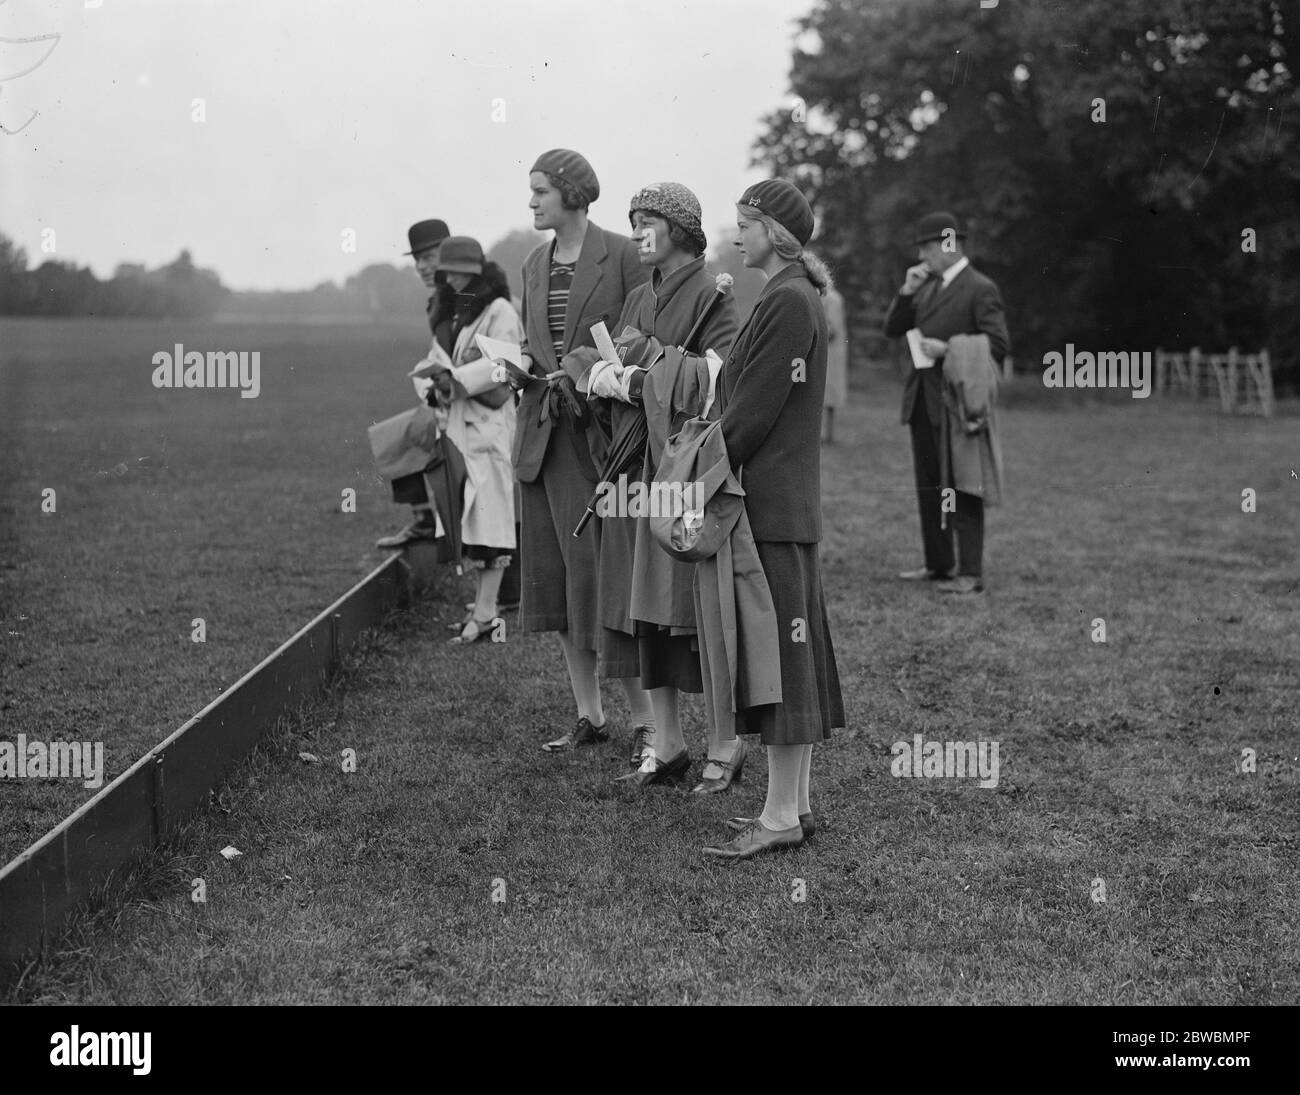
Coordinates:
<point>1106,155</point>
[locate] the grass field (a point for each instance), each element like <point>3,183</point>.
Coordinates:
<point>171,506</point>
<point>1120,762</point>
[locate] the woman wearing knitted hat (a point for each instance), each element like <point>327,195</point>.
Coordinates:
<point>578,279</point>
<point>771,391</point>
<point>644,592</point>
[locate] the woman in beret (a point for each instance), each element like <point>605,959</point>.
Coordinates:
<point>581,277</point>
<point>645,594</point>
<point>771,391</point>
<point>481,423</point>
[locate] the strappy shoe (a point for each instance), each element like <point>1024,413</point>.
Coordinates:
<point>472,632</point>
<point>730,769</point>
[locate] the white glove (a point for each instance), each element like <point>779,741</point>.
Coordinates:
<point>625,382</point>
<point>603,380</point>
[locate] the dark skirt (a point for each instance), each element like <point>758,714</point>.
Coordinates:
<point>558,572</point>
<point>668,660</point>
<point>619,656</point>
<point>409,490</point>
<point>811,704</point>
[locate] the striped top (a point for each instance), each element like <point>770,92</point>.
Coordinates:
<point>557,301</point>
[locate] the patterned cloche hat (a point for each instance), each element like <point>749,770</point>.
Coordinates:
<point>673,202</point>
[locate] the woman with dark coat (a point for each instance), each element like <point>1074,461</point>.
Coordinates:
<point>577,280</point>
<point>771,391</point>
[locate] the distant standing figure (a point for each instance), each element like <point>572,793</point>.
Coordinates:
<point>943,296</point>
<point>425,239</point>
<point>837,361</point>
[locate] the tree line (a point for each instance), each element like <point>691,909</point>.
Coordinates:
<point>1127,169</point>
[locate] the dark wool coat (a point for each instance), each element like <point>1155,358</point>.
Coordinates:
<point>770,392</point>
<point>970,305</point>
<point>607,269</point>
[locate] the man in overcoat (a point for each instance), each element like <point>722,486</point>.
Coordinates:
<point>942,296</point>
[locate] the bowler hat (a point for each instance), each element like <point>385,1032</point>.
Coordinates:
<point>425,234</point>
<point>460,255</point>
<point>937,226</point>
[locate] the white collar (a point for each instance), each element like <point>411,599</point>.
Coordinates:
<point>953,270</point>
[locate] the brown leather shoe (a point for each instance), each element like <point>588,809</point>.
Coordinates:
<point>582,734</point>
<point>730,771</point>
<point>755,839</point>
<point>806,822</point>
<point>653,770</point>
<point>962,586</point>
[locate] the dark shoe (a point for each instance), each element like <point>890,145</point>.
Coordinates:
<point>409,535</point>
<point>922,574</point>
<point>755,839</point>
<point>639,745</point>
<point>654,770</point>
<point>730,772</point>
<point>806,822</point>
<point>582,734</point>
<point>962,586</point>
<point>473,632</point>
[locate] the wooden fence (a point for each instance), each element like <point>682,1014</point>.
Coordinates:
<point>143,806</point>
<point>1243,382</point>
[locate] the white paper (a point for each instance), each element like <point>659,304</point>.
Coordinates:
<point>605,344</point>
<point>494,348</point>
<point>435,361</point>
<point>715,367</point>
<point>919,360</point>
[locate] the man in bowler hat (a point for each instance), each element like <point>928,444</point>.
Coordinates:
<point>425,239</point>
<point>941,296</point>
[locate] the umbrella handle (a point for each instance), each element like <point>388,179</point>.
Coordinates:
<point>587,515</point>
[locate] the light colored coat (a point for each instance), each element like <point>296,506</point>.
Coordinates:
<point>837,351</point>
<point>972,459</point>
<point>485,435</point>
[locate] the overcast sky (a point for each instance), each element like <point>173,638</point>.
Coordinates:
<point>323,116</point>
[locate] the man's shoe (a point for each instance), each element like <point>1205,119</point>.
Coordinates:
<point>755,839</point>
<point>964,585</point>
<point>728,772</point>
<point>806,822</point>
<point>582,734</point>
<point>654,770</point>
<point>921,574</point>
<point>409,535</point>
<point>640,744</point>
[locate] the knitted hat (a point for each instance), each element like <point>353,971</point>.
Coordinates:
<point>784,203</point>
<point>673,202</point>
<point>572,167</point>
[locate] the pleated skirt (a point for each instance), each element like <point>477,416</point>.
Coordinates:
<point>811,704</point>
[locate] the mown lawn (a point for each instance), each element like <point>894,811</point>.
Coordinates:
<point>171,506</point>
<point>1119,762</point>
